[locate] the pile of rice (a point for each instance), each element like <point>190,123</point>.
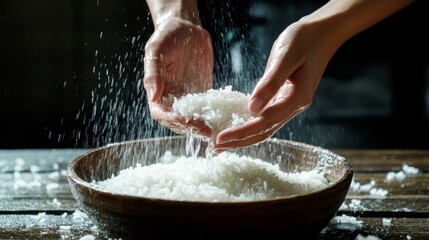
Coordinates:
<point>218,108</point>
<point>227,177</point>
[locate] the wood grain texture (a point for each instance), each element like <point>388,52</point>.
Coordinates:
<point>407,202</point>
<point>385,160</point>
<point>56,227</point>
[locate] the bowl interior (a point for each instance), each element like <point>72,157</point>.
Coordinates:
<point>291,156</point>
<point>121,214</point>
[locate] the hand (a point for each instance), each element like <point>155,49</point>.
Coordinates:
<point>178,60</point>
<point>295,66</point>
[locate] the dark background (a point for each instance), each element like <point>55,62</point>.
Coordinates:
<point>71,71</point>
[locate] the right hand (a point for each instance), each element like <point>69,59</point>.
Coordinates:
<point>178,60</point>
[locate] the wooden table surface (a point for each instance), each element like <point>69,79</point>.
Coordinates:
<point>36,202</point>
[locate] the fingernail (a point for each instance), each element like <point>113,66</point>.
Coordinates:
<point>256,105</point>
<point>151,93</point>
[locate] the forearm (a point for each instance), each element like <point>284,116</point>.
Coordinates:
<point>342,19</point>
<point>184,9</point>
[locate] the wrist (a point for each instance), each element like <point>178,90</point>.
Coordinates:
<point>345,19</point>
<point>330,26</point>
<point>182,9</point>
<point>326,30</point>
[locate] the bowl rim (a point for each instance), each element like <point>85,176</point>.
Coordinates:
<point>73,177</point>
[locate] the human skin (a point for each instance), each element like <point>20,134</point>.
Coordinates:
<point>178,60</point>
<point>295,66</point>
<point>297,62</point>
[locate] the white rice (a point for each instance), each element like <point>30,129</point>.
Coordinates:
<point>368,188</point>
<point>52,186</point>
<point>368,237</point>
<point>387,221</point>
<point>219,109</point>
<point>78,216</point>
<point>407,171</point>
<point>227,177</point>
<point>87,237</point>
<point>354,205</point>
<point>347,220</point>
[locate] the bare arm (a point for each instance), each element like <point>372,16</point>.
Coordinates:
<point>297,62</point>
<point>344,19</point>
<point>184,9</point>
<point>178,60</point>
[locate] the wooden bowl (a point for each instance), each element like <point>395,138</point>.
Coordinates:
<point>131,217</point>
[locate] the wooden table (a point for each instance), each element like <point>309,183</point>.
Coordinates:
<point>36,202</point>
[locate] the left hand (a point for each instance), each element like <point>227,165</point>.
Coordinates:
<point>295,66</point>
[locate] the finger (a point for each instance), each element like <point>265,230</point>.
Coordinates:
<point>274,77</point>
<point>183,127</point>
<point>218,148</point>
<point>199,127</point>
<point>178,123</point>
<point>152,80</point>
<point>159,113</point>
<point>287,105</point>
<point>257,127</point>
<point>284,107</point>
